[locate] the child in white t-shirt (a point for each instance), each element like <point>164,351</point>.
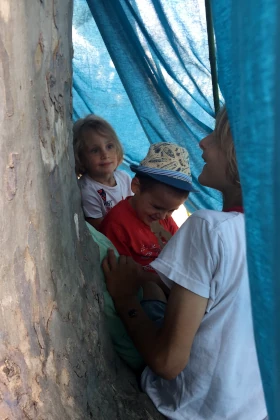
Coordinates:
<point>98,153</point>
<point>199,346</point>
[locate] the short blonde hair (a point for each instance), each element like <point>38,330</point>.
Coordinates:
<point>225,141</point>
<point>99,126</point>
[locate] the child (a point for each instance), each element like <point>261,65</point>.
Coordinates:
<point>202,361</point>
<point>98,153</point>
<point>141,225</point>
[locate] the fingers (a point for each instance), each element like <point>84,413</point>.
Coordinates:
<point>112,260</point>
<point>105,266</point>
<point>109,262</point>
<point>133,265</point>
<point>128,260</point>
<point>121,275</point>
<point>123,260</point>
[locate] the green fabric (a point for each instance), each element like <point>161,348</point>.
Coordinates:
<point>122,342</point>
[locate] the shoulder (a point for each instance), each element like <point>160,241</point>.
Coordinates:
<point>210,229</point>
<point>85,182</point>
<point>117,219</point>
<point>122,175</point>
<point>119,212</point>
<point>88,187</point>
<point>216,220</point>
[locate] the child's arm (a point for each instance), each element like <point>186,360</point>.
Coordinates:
<point>147,276</point>
<point>92,206</point>
<point>94,222</point>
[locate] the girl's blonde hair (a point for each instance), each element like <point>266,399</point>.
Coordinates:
<point>225,141</point>
<point>99,126</point>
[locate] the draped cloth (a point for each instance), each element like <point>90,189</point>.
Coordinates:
<point>248,49</point>
<point>144,66</point>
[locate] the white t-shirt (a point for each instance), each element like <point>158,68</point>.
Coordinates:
<point>221,380</point>
<point>98,199</point>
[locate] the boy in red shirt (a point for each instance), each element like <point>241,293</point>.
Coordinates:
<point>141,225</point>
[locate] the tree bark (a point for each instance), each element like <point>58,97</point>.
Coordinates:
<point>56,361</point>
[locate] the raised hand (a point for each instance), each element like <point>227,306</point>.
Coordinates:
<point>123,276</point>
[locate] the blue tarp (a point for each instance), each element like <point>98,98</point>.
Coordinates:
<point>159,87</point>
<point>248,36</point>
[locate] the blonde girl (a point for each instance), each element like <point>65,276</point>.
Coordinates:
<point>98,153</point>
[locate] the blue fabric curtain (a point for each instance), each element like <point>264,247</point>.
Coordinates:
<point>160,88</point>
<point>248,45</point>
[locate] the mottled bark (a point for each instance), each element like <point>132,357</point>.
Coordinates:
<point>56,361</point>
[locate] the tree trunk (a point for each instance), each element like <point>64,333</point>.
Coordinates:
<point>56,361</point>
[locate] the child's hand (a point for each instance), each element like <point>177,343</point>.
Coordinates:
<point>123,276</point>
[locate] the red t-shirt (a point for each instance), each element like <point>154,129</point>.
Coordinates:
<point>134,238</point>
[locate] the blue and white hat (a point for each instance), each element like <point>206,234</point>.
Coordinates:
<point>167,163</point>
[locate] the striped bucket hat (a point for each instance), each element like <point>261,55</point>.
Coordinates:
<point>167,163</point>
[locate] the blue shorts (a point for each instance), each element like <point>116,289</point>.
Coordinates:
<point>155,309</point>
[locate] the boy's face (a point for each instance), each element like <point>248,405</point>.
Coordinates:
<point>156,203</point>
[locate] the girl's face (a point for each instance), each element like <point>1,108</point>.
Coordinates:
<point>214,172</point>
<point>100,157</point>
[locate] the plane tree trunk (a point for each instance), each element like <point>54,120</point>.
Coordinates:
<point>56,361</point>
